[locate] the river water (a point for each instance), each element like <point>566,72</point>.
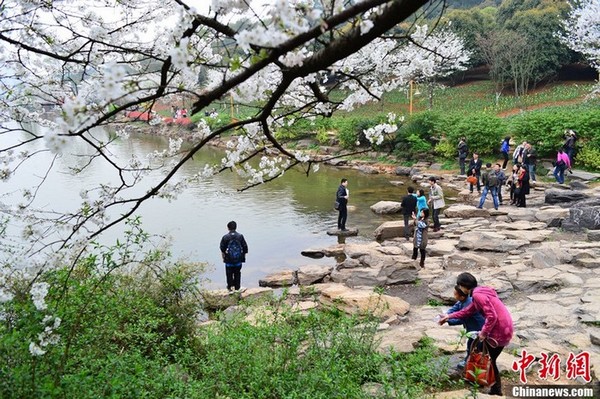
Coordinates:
<point>278,219</point>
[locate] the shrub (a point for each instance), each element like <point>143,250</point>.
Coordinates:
<point>590,157</point>
<point>483,131</point>
<point>350,130</point>
<point>418,135</point>
<point>545,128</point>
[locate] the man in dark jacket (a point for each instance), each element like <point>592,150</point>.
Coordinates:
<point>463,150</point>
<point>233,250</point>
<point>409,207</point>
<point>571,138</point>
<point>341,197</point>
<point>475,170</point>
<point>530,160</point>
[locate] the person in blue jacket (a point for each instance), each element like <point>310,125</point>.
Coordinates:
<point>421,202</point>
<point>473,323</point>
<point>504,150</point>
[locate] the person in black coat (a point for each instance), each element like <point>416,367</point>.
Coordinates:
<point>342,198</point>
<point>409,207</point>
<point>463,150</point>
<point>475,170</point>
<point>235,243</point>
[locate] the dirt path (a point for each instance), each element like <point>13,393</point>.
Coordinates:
<point>516,111</point>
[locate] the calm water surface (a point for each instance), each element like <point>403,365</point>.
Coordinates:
<point>278,219</point>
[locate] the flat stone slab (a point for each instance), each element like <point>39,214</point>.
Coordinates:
<point>582,175</point>
<point>340,233</point>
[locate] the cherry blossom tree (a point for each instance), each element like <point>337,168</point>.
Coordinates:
<point>582,31</point>
<point>92,61</point>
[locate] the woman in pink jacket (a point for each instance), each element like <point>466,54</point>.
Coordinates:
<point>562,163</point>
<point>497,331</point>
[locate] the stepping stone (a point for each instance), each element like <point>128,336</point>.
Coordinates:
<point>340,233</point>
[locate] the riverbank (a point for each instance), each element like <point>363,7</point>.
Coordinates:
<point>543,261</point>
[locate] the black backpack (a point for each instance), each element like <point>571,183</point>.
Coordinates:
<point>234,252</point>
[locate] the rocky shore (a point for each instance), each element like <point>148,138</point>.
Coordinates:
<point>543,260</point>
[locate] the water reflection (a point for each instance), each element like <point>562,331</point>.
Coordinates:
<point>279,219</point>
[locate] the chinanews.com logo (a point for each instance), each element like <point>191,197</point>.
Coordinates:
<point>576,367</point>
<point>553,391</point>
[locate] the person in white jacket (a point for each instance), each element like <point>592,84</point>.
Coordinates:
<point>436,201</point>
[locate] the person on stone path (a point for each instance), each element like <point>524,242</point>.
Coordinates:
<point>504,150</point>
<point>463,151</point>
<point>530,160</point>
<point>420,237</point>
<point>523,186</point>
<point>436,199</point>
<point>475,170</point>
<point>233,251</point>
<point>569,146</point>
<point>421,201</point>
<point>562,163</point>
<point>512,183</point>
<point>501,181</point>
<point>498,329</point>
<point>409,208</point>
<point>518,153</point>
<point>471,323</point>
<point>341,196</point>
<point>490,184</point>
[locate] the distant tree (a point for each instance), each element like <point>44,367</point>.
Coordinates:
<point>537,21</point>
<point>471,24</point>
<point>511,58</point>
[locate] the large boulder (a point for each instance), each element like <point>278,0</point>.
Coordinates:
<point>369,170</point>
<point>317,253</point>
<point>359,277</point>
<point>441,247</point>
<point>403,170</point>
<point>536,280</point>
<point>488,241</point>
<point>386,207</point>
<point>311,274</point>
<point>465,211</point>
<point>583,217</point>
<point>358,301</point>
<point>389,230</point>
<point>282,278</point>
<point>550,255</point>
<point>552,215</point>
<point>556,196</point>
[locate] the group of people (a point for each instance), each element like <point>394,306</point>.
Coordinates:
<point>416,207</point>
<point>524,159</point>
<point>178,112</point>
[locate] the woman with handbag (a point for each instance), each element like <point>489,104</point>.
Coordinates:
<point>497,331</point>
<point>562,163</point>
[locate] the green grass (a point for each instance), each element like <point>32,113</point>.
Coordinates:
<point>474,97</point>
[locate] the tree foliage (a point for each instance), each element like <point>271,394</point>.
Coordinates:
<point>582,31</point>
<point>522,33</point>
<point>90,63</point>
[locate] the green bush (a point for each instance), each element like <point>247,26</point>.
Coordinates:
<point>545,128</point>
<point>129,330</point>
<point>484,132</point>
<point>418,135</point>
<point>590,157</point>
<point>350,130</point>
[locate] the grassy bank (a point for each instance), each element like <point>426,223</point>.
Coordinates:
<point>123,323</point>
